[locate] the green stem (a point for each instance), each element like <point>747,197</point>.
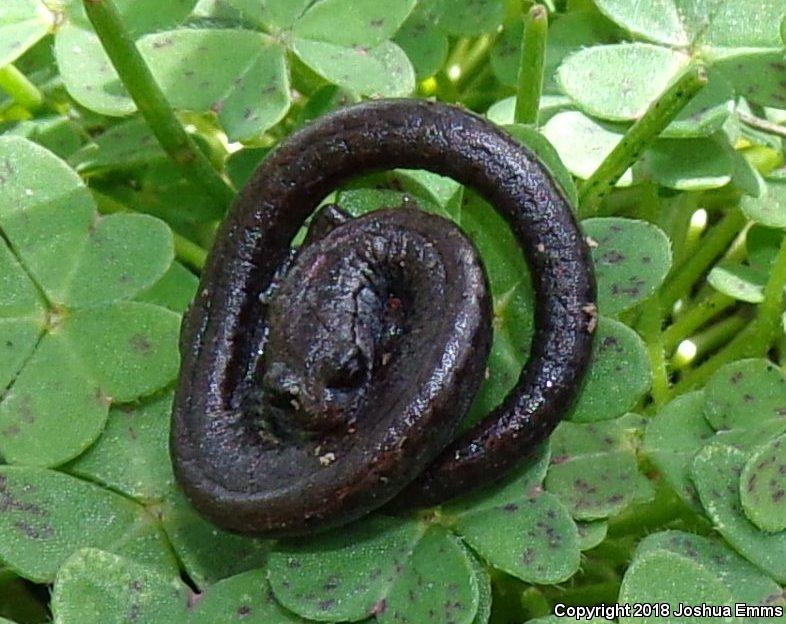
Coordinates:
<point>458,52</point>
<point>535,603</point>
<point>588,595</point>
<point>150,100</point>
<point>696,316</point>
<point>17,85</point>
<point>679,216</point>
<point>741,346</point>
<point>651,325</point>
<point>643,518</point>
<point>533,55</point>
<point>761,124</point>
<point>768,316</point>
<point>713,244</point>
<point>718,334</point>
<point>640,136</point>
<point>473,59</point>
<point>757,338</point>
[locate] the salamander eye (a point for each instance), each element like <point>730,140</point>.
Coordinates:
<point>349,375</point>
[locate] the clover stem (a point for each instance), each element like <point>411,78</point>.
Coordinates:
<point>189,253</point>
<point>473,58</point>
<point>741,346</point>
<point>640,136</point>
<point>761,124</point>
<point>19,87</point>
<point>533,55</point>
<point>605,592</point>
<point>718,334</point>
<point>769,312</point>
<point>643,518</point>
<point>141,85</point>
<point>535,603</point>
<point>651,325</point>
<point>757,338</point>
<point>713,244</point>
<point>679,218</point>
<point>697,315</point>
<point>458,52</point>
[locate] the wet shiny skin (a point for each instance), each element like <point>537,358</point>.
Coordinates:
<point>317,388</point>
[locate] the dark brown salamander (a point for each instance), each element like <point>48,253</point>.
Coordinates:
<point>321,384</point>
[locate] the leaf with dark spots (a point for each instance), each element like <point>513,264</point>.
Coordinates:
<point>763,486</point>
<point>46,512</point>
<point>537,542</point>
<point>716,473</point>
<point>745,394</point>
<point>673,437</point>
<point>631,260</point>
<point>607,392</point>
<point>389,568</point>
<point>599,475</point>
<point>117,588</point>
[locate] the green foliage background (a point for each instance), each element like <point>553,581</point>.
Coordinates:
<point>666,481</point>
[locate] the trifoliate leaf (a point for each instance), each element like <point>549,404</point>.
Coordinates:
<point>54,410</point>
<point>743,282</point>
<point>532,537</point>
<point>583,143</point>
<point>353,22</point>
<point>770,207</point>
<point>425,45</point>
<point>686,164</point>
<point>239,75</point>
<point>344,575</point>
<point>130,349</point>
<point>132,454</point>
<point>22,24</point>
<point>174,291</point>
<point>207,552</point>
<point>97,587</point>
<point>468,18</point>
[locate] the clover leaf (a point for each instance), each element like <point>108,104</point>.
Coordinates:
<point>672,439</point>
<point>119,589</point>
<point>745,393</point>
<point>66,365</point>
<point>631,260</point>
<point>392,569</point>
<point>716,473</point>
<point>593,467</point>
<point>762,487</point>
<point>48,515</point>
<point>606,393</point>
<point>240,75</point>
<point>673,568</point>
<point>738,38</point>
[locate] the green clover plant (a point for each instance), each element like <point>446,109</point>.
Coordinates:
<point>126,128</point>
